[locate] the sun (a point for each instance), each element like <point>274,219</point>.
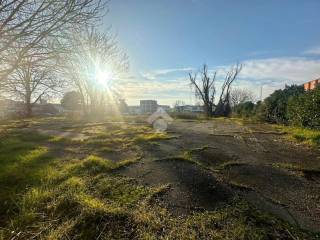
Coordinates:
<point>104,77</point>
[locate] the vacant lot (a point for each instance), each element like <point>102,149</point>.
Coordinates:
<point>221,179</point>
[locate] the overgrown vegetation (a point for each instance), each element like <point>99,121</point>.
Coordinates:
<point>304,109</point>
<point>293,107</point>
<point>303,135</point>
<point>53,188</point>
<point>274,109</point>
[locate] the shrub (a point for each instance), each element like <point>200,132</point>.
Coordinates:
<point>276,104</point>
<point>186,115</point>
<point>260,111</point>
<point>245,109</point>
<point>303,110</point>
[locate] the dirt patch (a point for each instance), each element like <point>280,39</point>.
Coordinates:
<point>191,188</point>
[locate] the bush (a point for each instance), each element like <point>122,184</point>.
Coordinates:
<point>276,104</point>
<point>260,111</point>
<point>186,115</point>
<point>245,109</point>
<point>304,110</point>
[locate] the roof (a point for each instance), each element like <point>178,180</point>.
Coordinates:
<point>314,80</point>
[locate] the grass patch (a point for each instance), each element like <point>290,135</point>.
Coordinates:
<point>106,149</point>
<point>122,191</point>
<point>111,142</point>
<point>238,220</point>
<point>141,138</point>
<point>94,165</point>
<point>64,141</point>
<point>302,135</point>
<point>24,162</point>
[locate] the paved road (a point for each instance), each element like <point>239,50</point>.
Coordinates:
<point>249,160</point>
<point>256,157</point>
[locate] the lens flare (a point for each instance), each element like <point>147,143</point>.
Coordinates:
<point>104,78</point>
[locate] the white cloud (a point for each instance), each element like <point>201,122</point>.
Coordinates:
<point>272,73</point>
<point>313,51</point>
<point>162,72</point>
<point>285,70</point>
<point>275,73</point>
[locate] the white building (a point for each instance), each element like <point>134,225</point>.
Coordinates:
<point>148,106</point>
<point>189,108</point>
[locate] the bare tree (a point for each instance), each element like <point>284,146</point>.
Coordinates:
<point>205,90</point>
<point>32,81</point>
<point>94,56</point>
<point>25,24</point>
<point>241,95</point>
<point>223,107</point>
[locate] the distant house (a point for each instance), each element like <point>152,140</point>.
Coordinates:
<point>134,110</point>
<point>43,108</point>
<point>10,108</point>
<point>148,106</point>
<point>59,108</point>
<point>189,108</point>
<point>311,85</point>
<point>167,108</point>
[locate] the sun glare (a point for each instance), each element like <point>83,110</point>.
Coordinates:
<point>104,77</point>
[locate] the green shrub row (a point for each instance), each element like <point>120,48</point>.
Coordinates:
<point>291,105</point>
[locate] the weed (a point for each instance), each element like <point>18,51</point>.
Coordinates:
<point>127,162</point>
<point>303,135</point>
<point>141,138</point>
<point>93,165</point>
<point>228,165</point>
<point>239,220</point>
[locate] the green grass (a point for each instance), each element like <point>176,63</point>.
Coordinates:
<point>188,156</point>
<point>302,135</point>
<point>152,136</point>
<point>51,197</point>
<point>48,192</point>
<point>310,137</point>
<point>238,220</point>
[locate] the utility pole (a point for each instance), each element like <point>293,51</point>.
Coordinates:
<point>261,92</point>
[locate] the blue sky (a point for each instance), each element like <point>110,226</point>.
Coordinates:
<point>278,42</point>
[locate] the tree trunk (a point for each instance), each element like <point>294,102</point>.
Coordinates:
<point>208,110</point>
<point>28,106</point>
<point>28,109</point>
